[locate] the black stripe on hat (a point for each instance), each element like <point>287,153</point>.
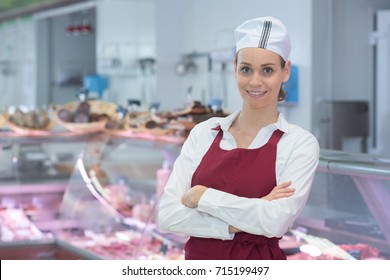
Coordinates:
<point>265,34</point>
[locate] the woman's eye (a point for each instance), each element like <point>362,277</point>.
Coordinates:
<point>245,69</point>
<point>268,70</point>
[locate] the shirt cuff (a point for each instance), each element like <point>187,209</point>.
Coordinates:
<point>222,228</point>
<point>208,203</point>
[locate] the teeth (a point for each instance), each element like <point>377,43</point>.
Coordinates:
<point>256,93</point>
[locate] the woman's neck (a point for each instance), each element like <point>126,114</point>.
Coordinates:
<point>248,124</point>
<point>254,120</point>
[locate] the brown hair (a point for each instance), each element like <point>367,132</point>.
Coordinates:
<point>282,92</point>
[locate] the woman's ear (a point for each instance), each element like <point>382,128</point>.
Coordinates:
<point>286,71</point>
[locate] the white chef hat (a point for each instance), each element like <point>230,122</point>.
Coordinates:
<point>267,33</point>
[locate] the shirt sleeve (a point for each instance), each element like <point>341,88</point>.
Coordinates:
<point>269,218</point>
<point>175,217</point>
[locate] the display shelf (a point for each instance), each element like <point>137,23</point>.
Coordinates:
<point>77,250</point>
<point>56,136</point>
<point>42,250</point>
<point>24,243</point>
<point>64,136</point>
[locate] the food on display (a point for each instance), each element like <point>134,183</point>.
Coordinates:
<point>121,245</point>
<point>170,126</point>
<point>116,124</point>
<point>31,119</point>
<point>120,122</point>
<point>301,246</point>
<point>83,112</point>
<point>28,122</point>
<point>105,245</point>
<point>91,115</point>
<point>136,211</point>
<point>353,251</point>
<point>179,122</point>
<point>362,251</point>
<point>138,120</point>
<point>16,226</point>
<point>120,196</point>
<point>143,211</point>
<point>87,116</point>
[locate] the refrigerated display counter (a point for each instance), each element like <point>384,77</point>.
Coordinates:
<point>103,207</point>
<point>111,201</point>
<point>349,204</point>
<point>106,205</point>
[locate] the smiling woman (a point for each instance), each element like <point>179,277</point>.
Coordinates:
<point>241,181</point>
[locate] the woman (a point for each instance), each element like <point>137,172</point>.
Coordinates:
<point>241,181</point>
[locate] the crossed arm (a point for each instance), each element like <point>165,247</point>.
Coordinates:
<point>191,197</point>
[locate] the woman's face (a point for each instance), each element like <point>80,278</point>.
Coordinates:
<point>259,75</point>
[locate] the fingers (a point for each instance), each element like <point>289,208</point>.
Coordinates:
<point>283,193</point>
<point>284,185</point>
<point>183,200</point>
<point>280,191</point>
<point>233,229</point>
<point>191,197</point>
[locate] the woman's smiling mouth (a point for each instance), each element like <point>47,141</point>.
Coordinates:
<point>256,93</point>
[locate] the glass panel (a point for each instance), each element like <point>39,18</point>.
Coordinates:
<point>109,204</point>
<point>348,207</point>
<point>336,201</point>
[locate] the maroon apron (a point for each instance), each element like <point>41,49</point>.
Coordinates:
<point>242,172</point>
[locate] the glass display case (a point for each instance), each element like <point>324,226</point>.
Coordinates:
<point>85,197</point>
<point>96,197</point>
<point>349,206</point>
<point>110,204</point>
<point>33,178</point>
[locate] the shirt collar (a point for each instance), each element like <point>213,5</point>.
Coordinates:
<point>226,122</point>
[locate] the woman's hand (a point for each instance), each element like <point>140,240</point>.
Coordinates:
<point>233,229</point>
<point>191,197</point>
<point>280,191</point>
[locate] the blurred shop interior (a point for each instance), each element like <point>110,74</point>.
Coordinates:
<point>135,59</point>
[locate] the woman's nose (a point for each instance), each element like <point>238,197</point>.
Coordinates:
<point>256,80</point>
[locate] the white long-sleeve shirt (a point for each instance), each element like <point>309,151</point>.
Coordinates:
<point>296,161</point>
